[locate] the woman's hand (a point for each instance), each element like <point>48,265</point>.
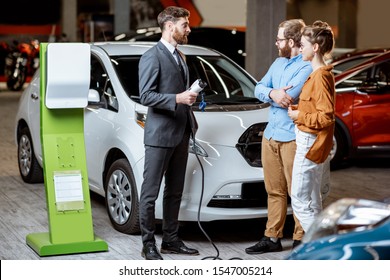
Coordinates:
<point>293,112</point>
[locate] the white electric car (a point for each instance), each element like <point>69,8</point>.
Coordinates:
<point>224,174</point>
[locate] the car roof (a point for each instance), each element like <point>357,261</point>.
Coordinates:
<point>359,53</point>
<point>368,63</point>
<point>138,48</point>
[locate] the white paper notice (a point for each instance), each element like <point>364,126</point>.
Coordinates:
<point>68,187</point>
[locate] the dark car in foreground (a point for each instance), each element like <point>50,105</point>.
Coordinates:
<point>363,111</point>
<point>349,229</point>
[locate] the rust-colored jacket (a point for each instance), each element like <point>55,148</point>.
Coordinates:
<point>316,112</point>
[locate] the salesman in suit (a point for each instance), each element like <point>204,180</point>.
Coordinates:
<point>163,84</point>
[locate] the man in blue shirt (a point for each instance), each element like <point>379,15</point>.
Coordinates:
<point>281,87</point>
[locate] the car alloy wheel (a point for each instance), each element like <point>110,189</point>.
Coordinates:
<point>29,168</point>
<point>122,197</point>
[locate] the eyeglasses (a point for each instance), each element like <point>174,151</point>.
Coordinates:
<point>278,40</point>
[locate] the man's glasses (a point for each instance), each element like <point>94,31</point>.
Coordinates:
<point>278,40</point>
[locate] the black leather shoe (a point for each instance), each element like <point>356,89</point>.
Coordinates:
<point>150,252</point>
<point>296,243</point>
<point>264,246</point>
<point>177,247</point>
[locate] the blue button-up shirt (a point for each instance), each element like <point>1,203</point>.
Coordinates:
<point>283,72</point>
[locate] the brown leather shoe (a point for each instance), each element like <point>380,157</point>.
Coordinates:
<point>150,252</point>
<point>177,247</point>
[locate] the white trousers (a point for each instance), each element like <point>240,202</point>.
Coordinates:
<point>308,178</point>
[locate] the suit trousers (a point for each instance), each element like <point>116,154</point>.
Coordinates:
<point>278,158</point>
<point>160,162</point>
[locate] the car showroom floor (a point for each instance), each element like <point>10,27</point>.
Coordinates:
<point>23,209</point>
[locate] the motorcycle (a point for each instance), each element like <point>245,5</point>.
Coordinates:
<point>21,62</point>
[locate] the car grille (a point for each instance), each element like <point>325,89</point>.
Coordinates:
<point>252,195</point>
<point>249,144</point>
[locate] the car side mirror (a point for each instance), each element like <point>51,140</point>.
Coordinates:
<point>93,96</point>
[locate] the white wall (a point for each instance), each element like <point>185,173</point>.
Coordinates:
<point>224,13</point>
<point>372,15</point>
<point>372,27</point>
<point>373,23</point>
<point>315,10</point>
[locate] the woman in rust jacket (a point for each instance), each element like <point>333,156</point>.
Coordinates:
<point>314,125</point>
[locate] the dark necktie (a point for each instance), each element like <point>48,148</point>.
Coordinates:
<point>179,62</point>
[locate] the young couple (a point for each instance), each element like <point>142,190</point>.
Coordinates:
<point>299,136</point>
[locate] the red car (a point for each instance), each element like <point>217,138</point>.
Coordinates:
<point>363,110</point>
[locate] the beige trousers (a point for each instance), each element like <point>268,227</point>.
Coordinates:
<point>278,158</point>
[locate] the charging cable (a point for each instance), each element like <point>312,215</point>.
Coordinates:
<point>198,86</point>
<point>199,208</point>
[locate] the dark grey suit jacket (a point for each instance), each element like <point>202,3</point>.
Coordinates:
<point>159,82</point>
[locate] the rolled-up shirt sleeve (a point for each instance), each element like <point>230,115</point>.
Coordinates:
<point>298,81</point>
<point>264,86</point>
<point>281,75</point>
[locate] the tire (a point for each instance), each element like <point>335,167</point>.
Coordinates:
<point>338,150</point>
<point>29,168</point>
<point>121,197</point>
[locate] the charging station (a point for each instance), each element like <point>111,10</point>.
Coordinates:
<point>64,85</point>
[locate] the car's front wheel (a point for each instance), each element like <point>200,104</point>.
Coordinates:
<point>29,168</point>
<point>122,197</point>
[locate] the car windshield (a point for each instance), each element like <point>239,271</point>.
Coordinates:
<point>227,84</point>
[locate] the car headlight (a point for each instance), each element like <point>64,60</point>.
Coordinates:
<point>346,215</point>
<point>140,119</point>
<point>195,148</point>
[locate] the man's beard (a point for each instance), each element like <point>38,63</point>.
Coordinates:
<point>285,52</point>
<point>181,39</point>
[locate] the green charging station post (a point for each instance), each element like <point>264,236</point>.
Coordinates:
<point>64,84</point>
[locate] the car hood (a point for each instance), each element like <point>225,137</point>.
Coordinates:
<point>224,127</point>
